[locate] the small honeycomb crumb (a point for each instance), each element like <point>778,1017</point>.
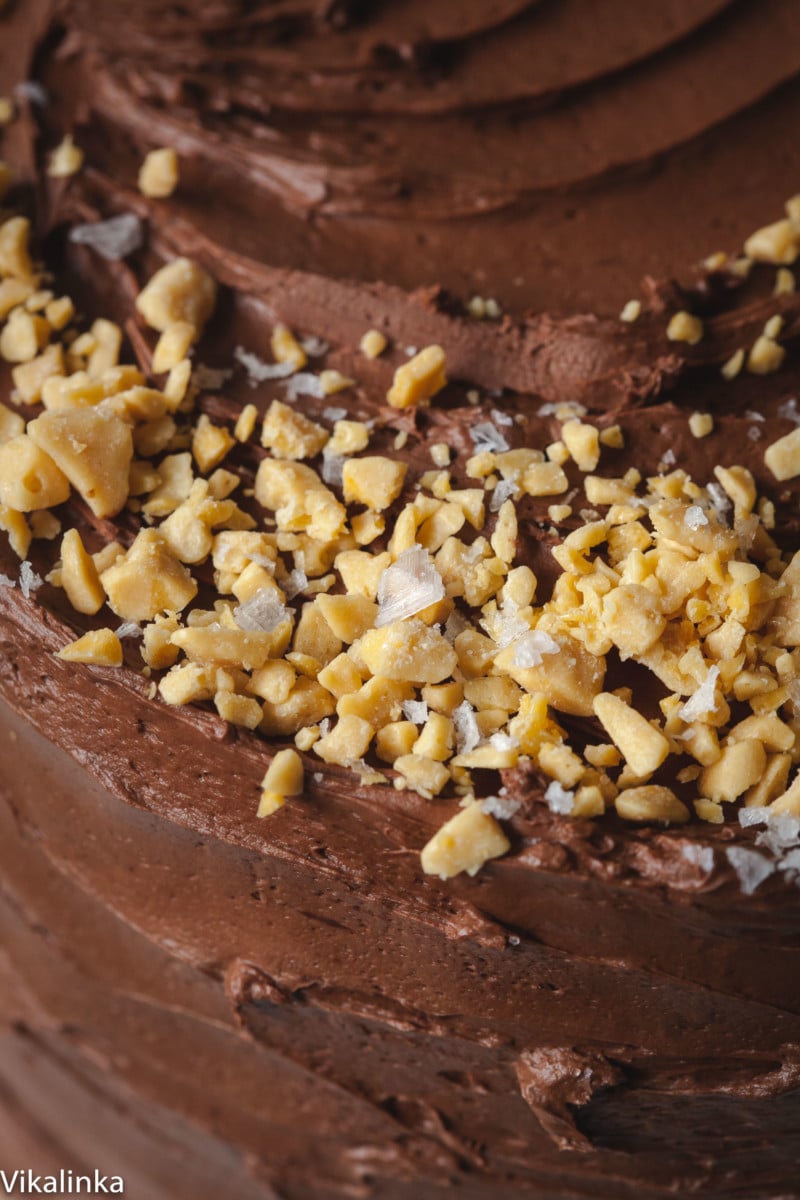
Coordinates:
<point>288,434</point>
<point>765,356</point>
<point>173,346</point>
<point>66,159</point>
<point>334,381</point>
<point>583,443</point>
<point>732,367</point>
<point>158,174</point>
<point>29,478</point>
<point>284,778</point>
<point>701,424</point>
<point>372,344</point>
<point>778,243</point>
<point>93,449</point>
<point>651,803</point>
<point>464,843</point>
<point>149,580</point>
<point>99,648</point>
<point>286,348</point>
<point>210,444</point>
<point>373,481</point>
<point>79,577</point>
<point>631,311</point>
<point>245,423</point>
<point>180,291</point>
<point>683,327</point>
<point>417,381</point>
<point>783,456</point>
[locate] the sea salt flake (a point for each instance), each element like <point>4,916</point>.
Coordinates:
<point>532,646</point>
<point>259,371</point>
<point>668,458</point>
<point>409,585</point>
<point>754,416</point>
<point>558,798</point>
<point>455,624</point>
<point>699,856</point>
<point>782,833</point>
<point>746,529</point>
<point>719,498</point>
<point>262,613</point>
<point>30,90</point>
<point>7,581</point>
<point>304,384</point>
<point>468,735</point>
<point>113,239</point>
<point>129,629</point>
<point>503,741</point>
<point>332,468</point>
<point>695,518</point>
<point>486,436</point>
<point>410,351</point>
<point>754,433</point>
<point>416,711</point>
<point>704,699</point>
<point>296,581</point>
<point>29,581</point>
<point>501,418</point>
<point>334,414</point>
<point>790,865</point>
<point>315,347</point>
<point>757,815</point>
<point>789,411</point>
<point>505,490</point>
<point>501,807</point>
<point>751,867</point>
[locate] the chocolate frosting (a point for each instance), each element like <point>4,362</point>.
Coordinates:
<point>290,1006</point>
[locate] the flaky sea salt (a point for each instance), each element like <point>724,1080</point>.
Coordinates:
<point>720,499</point>
<point>695,517</point>
<point>409,585</point>
<point>704,700</point>
<point>790,411</point>
<point>129,629</point>
<point>468,735</point>
<point>415,711</point>
<point>332,413</point>
<point>532,646</point>
<point>304,384</point>
<point>296,581</point>
<point>501,418</point>
<point>32,91</point>
<point>7,581</point>
<point>113,239</point>
<point>486,436</point>
<point>29,581</point>
<point>332,468</point>
<point>501,807</point>
<point>668,459</point>
<point>751,867</point>
<point>259,371</point>
<point>699,856</point>
<point>315,347</point>
<point>505,490</point>
<point>558,798</point>
<point>757,815</point>
<point>503,741</point>
<point>262,613</point>
<point>782,833</point>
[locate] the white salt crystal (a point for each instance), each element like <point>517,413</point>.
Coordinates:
<point>411,351</point>
<point>262,613</point>
<point>486,436</point>
<point>757,815</point>
<point>782,833</point>
<point>501,418</point>
<point>416,711</point>
<point>304,384</point>
<point>30,90</point>
<point>29,581</point>
<point>409,585</point>
<point>129,629</point>
<point>719,498</point>
<point>789,411</point>
<point>318,777</point>
<point>704,700</point>
<point>332,468</point>
<point>754,433</point>
<point>700,856</point>
<point>259,371</point>
<point>503,741</point>
<point>468,735</point>
<point>505,490</point>
<point>559,800</point>
<point>7,581</point>
<point>455,624</point>
<point>500,806</point>
<point>754,416</point>
<point>334,414</point>
<point>751,867</point>
<point>695,517</point>
<point>790,864</point>
<point>746,529</point>
<point>668,458</point>
<point>531,646</point>
<point>315,347</point>
<point>295,582</point>
<point>113,239</point>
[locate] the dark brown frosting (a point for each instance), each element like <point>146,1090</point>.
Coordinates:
<point>289,1007</point>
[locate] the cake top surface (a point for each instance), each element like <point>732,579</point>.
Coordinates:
<point>534,567</point>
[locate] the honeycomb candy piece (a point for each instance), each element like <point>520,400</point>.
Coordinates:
<point>409,651</point>
<point>98,648</point>
<point>464,843</point>
<point>179,291</point>
<point>94,450</point>
<point>79,577</point>
<point>569,679</point>
<point>418,380</point>
<point>299,499</point>
<point>159,173</point>
<point>643,747</point>
<point>29,478</point>
<point>149,580</point>
<point>373,481</point>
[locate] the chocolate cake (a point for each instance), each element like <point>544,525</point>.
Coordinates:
<point>399,610</point>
